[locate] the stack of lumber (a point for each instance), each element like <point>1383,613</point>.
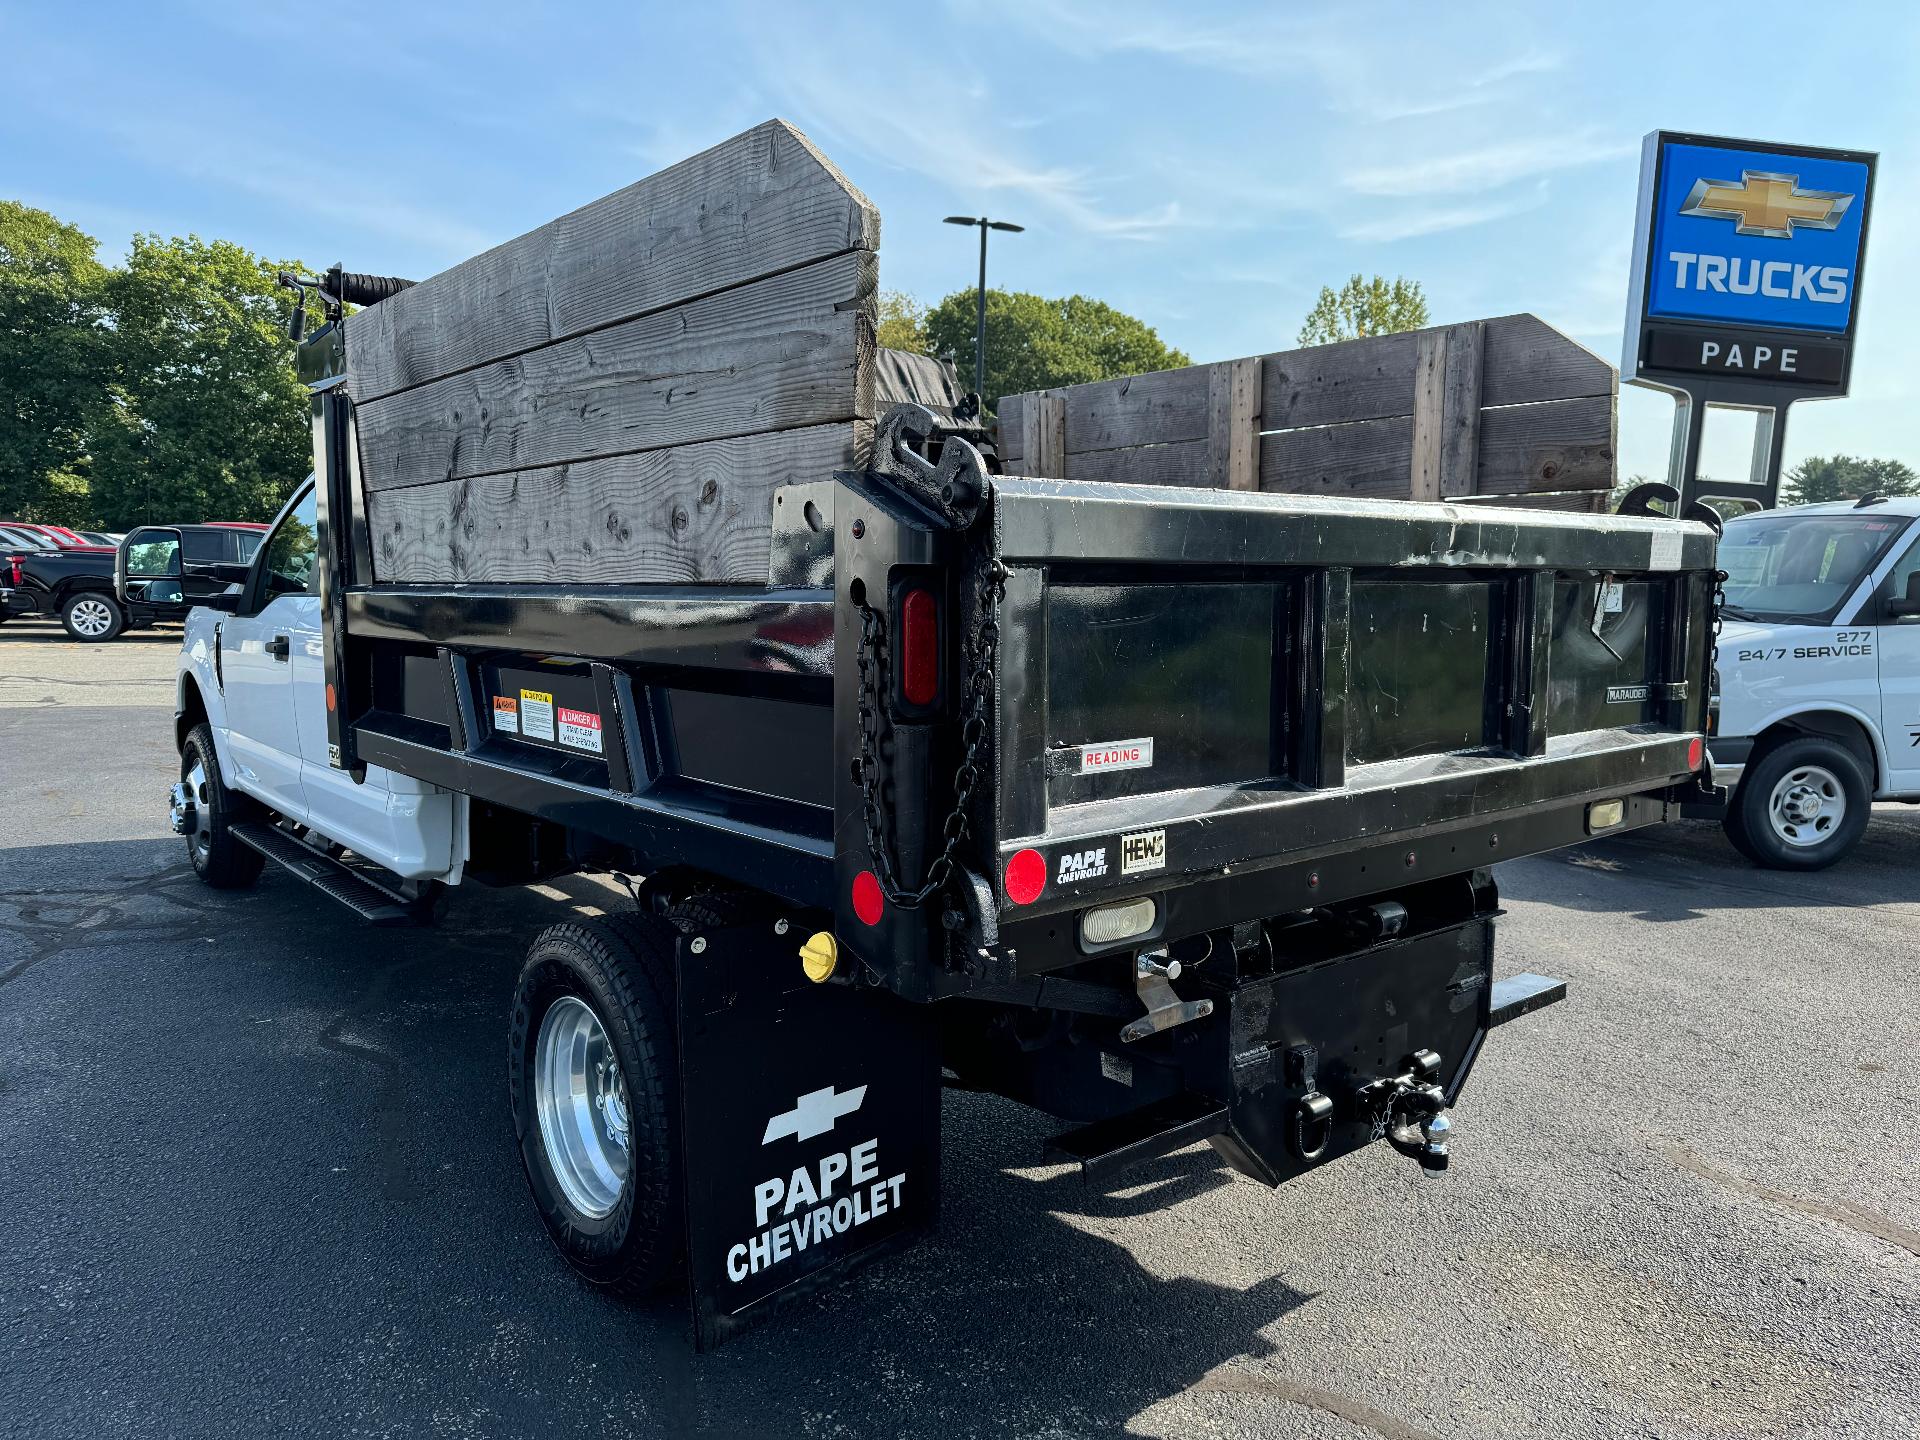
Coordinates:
<point>614,397</point>
<point>1506,411</point>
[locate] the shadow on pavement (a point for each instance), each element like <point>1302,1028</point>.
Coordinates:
<point>308,1168</point>
<point>51,632</point>
<point>1680,871</point>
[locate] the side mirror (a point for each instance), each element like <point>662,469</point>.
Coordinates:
<point>1908,604</point>
<point>297,322</point>
<point>146,555</point>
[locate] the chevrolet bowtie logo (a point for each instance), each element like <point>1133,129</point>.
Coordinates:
<point>814,1113</point>
<point>1767,204</point>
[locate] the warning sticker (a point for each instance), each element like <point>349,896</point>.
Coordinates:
<point>1665,550</point>
<point>506,714</point>
<point>580,729</point>
<point>536,714</point>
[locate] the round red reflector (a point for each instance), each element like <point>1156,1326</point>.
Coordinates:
<point>1026,877</point>
<point>1696,752</point>
<point>330,698</point>
<point>868,903</point>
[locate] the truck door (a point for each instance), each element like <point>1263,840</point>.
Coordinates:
<point>1898,646</point>
<point>258,648</point>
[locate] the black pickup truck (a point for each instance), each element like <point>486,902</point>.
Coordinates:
<point>76,585</point>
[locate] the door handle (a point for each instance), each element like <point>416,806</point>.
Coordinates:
<point>277,647</point>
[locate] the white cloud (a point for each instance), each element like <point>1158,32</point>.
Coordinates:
<point>1486,167</point>
<point>1434,219</point>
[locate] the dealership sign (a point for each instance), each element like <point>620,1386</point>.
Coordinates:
<point>1747,262</point>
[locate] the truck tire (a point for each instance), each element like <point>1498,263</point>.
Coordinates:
<point>593,1074</point>
<point>1801,805</point>
<point>218,859</point>
<point>92,615</point>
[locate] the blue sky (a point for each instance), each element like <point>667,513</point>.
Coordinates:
<point>1206,167</point>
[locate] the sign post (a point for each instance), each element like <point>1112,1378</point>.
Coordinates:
<point>1745,290</point>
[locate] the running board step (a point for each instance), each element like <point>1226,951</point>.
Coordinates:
<point>328,876</point>
<point>1140,1135</point>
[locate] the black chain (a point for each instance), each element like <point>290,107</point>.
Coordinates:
<point>981,653</point>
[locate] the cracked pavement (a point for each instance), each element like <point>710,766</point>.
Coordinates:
<point>257,1176</point>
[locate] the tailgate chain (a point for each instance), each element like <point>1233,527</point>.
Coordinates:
<point>982,651</point>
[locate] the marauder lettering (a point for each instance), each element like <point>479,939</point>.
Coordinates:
<point>811,1190</point>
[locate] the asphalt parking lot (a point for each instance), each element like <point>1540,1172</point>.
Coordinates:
<point>257,1175</point>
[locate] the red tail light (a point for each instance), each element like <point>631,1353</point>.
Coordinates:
<point>13,564</point>
<point>919,647</point>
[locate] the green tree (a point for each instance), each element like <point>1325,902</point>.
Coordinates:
<point>903,322</point>
<point>1846,477</point>
<point>206,420</point>
<point>53,354</point>
<point>1034,343</point>
<point>1364,307</point>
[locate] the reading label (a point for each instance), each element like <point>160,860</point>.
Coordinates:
<point>1666,551</point>
<point>506,714</point>
<point>536,714</point>
<point>1117,755</point>
<point>580,729</point>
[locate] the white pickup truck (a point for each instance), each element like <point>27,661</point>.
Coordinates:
<point>1819,675</point>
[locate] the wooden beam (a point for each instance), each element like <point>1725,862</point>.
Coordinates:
<point>1460,409</point>
<point>780,353</point>
<point>1373,457</point>
<point>1158,408</point>
<point>1557,445</point>
<point>692,514</point>
<point>1187,463</point>
<point>755,205</point>
<point>1429,427</point>
<point>1233,424</point>
<point>1043,438</point>
<point>1009,422</point>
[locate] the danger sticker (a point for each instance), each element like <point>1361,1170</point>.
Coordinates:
<point>506,714</point>
<point>1117,755</point>
<point>536,714</point>
<point>580,729</point>
<point>1143,850</point>
<point>1665,550</point>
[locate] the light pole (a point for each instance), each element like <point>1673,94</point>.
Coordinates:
<point>980,332</point>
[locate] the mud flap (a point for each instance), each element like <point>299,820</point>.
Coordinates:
<point>811,1125</point>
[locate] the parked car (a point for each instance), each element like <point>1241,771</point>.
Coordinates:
<point>1819,676</point>
<point>75,584</point>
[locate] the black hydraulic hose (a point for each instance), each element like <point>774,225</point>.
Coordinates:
<point>355,289</point>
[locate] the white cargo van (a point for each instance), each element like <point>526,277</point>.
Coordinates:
<point>1819,675</point>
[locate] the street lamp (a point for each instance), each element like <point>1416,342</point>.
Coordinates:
<point>980,333</point>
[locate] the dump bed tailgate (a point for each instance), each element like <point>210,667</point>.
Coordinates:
<point>1194,684</point>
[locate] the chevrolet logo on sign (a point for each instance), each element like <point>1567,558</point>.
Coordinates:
<point>1767,204</point>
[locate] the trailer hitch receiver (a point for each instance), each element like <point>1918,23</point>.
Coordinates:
<point>1408,1110</point>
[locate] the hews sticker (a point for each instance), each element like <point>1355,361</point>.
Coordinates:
<point>1143,850</point>
<point>1117,755</point>
<point>506,714</point>
<point>580,729</point>
<point>813,1203</point>
<point>536,714</point>
<point>1082,865</point>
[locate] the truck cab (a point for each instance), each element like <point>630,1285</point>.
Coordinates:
<point>1819,675</point>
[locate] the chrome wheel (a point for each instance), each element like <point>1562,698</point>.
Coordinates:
<point>580,1096</point>
<point>190,809</point>
<point>91,618</point>
<point>1807,806</point>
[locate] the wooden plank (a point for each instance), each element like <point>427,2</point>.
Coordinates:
<point>692,514</point>
<point>755,205</point>
<point>780,353</point>
<point>1429,425</point>
<point>1527,361</point>
<point>1154,409</point>
<point>1373,457</point>
<point>1233,424</point>
<point>1523,361</point>
<point>1590,502</point>
<point>1553,446</point>
<point>1043,439</point>
<point>1009,418</point>
<point>1460,409</point>
<point>1187,463</point>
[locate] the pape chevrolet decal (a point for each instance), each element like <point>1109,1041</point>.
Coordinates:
<point>814,1113</point>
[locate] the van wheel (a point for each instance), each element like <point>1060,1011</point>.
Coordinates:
<point>1801,806</point>
<point>202,810</point>
<point>593,1073</point>
<point>90,615</point>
